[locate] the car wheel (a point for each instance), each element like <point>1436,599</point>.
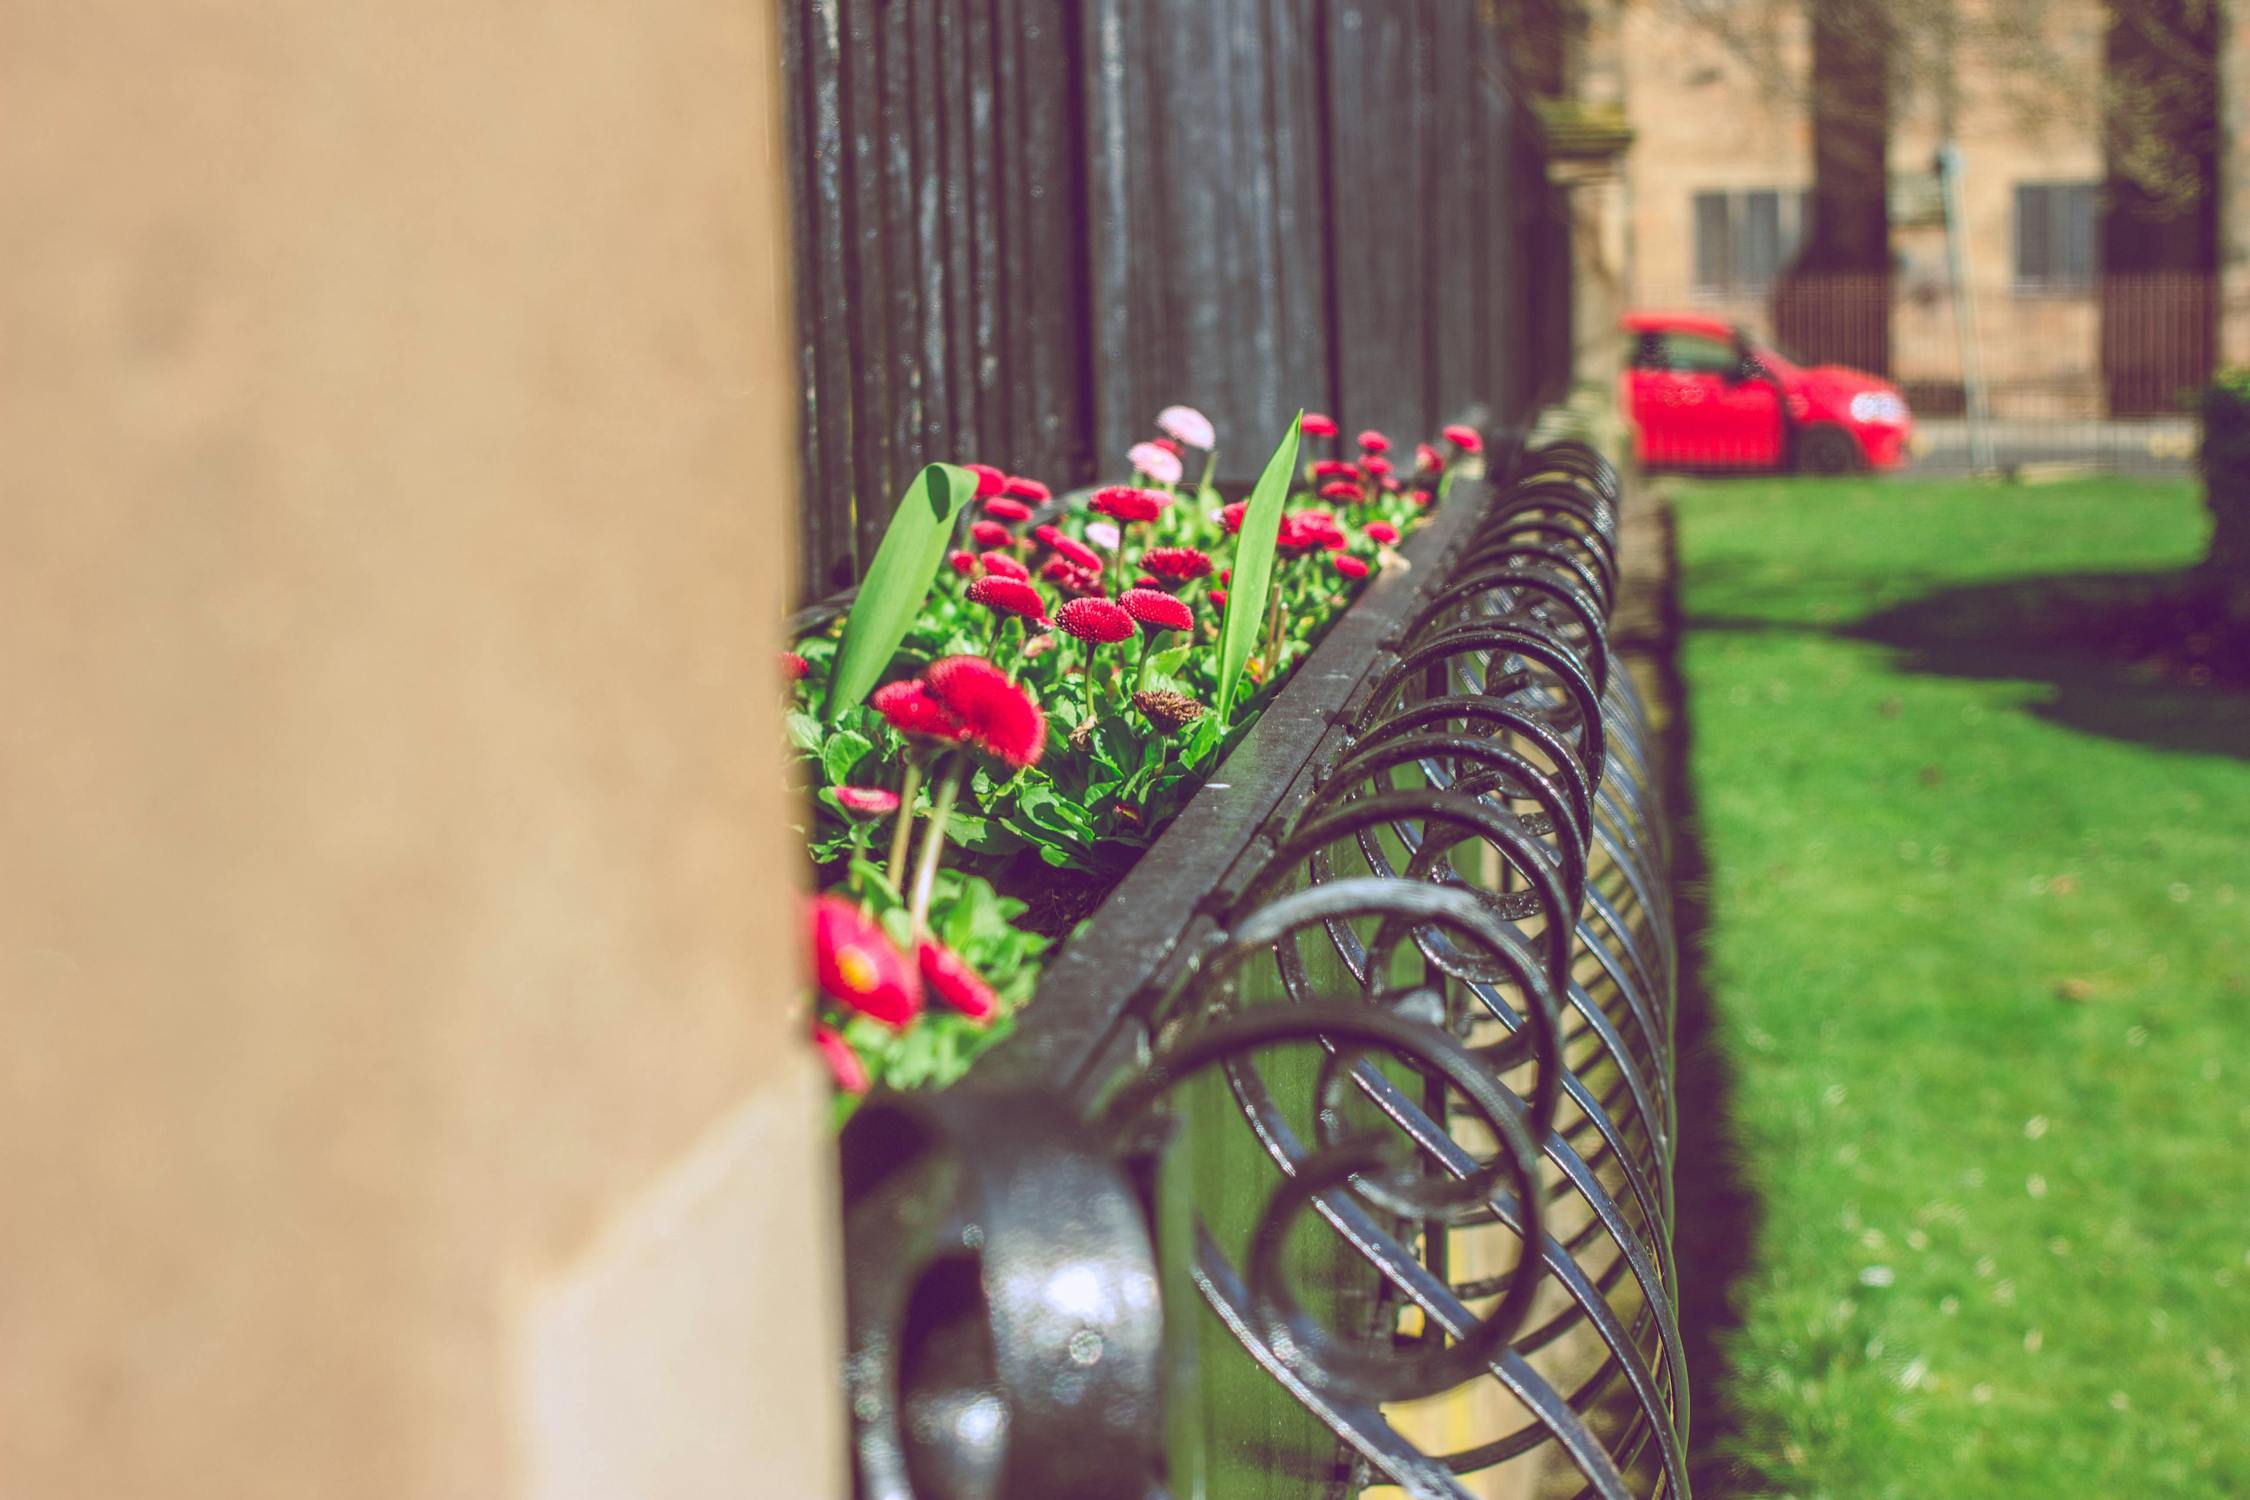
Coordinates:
<point>1827,450</point>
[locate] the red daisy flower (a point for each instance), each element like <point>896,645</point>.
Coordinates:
<point>1071,578</point>
<point>1178,564</point>
<point>856,966</point>
<point>1020,488</point>
<point>949,977</point>
<point>990,481</point>
<point>1316,425</point>
<point>1148,581</point>
<point>1094,620</point>
<point>1350,566</point>
<point>1226,575</point>
<point>867,801</point>
<point>1170,445</point>
<point>998,716</point>
<point>1046,533</point>
<point>1076,552</point>
<point>1335,468</point>
<point>1372,441</point>
<point>1004,565</point>
<point>1011,595</point>
<point>794,667</point>
<point>1381,532</point>
<point>1156,610</point>
<point>1419,497</point>
<point>962,562</point>
<point>844,1066</point>
<point>1230,516</point>
<point>1341,489</point>
<point>1001,508</point>
<point>1378,466</point>
<point>1426,458</point>
<point>1126,503</point>
<point>1219,598</point>
<point>990,534</point>
<point>1467,439</point>
<point>909,709</point>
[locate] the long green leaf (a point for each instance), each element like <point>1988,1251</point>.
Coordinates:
<point>898,582</point>
<point>1253,566</point>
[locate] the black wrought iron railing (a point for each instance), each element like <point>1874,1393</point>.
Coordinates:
<point>1337,1149</point>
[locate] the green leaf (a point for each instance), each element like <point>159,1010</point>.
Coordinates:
<point>1253,567</point>
<point>897,582</point>
<point>842,752</point>
<point>804,732</point>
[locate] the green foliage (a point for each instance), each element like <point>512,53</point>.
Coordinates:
<point>2226,493</point>
<point>890,596</point>
<point>1247,595</point>
<point>1978,966</point>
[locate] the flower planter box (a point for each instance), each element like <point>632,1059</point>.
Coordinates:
<point>1031,1251</point>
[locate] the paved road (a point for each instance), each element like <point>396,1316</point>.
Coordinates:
<point>2163,445</point>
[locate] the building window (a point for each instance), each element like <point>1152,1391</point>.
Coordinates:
<point>2055,235</point>
<point>1745,237</point>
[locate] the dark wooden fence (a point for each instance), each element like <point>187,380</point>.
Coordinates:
<point>1023,226</point>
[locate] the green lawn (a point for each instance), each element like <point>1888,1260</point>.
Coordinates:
<point>1978,967</point>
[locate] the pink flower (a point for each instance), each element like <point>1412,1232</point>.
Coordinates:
<point>1010,595</point>
<point>962,562</point>
<point>1372,441</point>
<point>1103,534</point>
<point>1419,497</point>
<point>1426,459</point>
<point>1335,468</point>
<point>1467,439</point>
<point>1001,508</point>
<point>1341,489</point>
<point>1230,516</point>
<point>996,715</point>
<point>1177,564</point>
<point>1188,425</point>
<point>990,481</point>
<point>844,1067</point>
<point>950,978</point>
<point>1004,565</point>
<point>990,534</point>
<point>1378,466</point>
<point>855,965</point>
<point>1020,488</point>
<point>867,801</point>
<point>1076,552</point>
<point>1129,504</point>
<point>1156,463</point>
<point>1156,610</point>
<point>909,709</point>
<point>1095,620</point>
<point>1316,425</point>
<point>794,667</point>
<point>1350,566</point>
<point>1383,533</point>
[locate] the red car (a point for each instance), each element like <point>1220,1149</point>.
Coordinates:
<point>1703,394</point>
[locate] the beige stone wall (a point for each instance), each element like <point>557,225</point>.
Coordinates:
<point>397,1091</point>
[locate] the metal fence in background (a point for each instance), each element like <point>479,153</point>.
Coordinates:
<point>2103,373</point>
<point>1024,226</point>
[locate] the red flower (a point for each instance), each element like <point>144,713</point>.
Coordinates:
<point>1178,564</point>
<point>990,481</point>
<point>964,563</point>
<point>1170,445</point>
<point>1156,610</point>
<point>1004,565</point>
<point>1335,468</point>
<point>999,717</point>
<point>1226,575</point>
<point>1316,425</point>
<point>950,978</point>
<point>911,710</point>
<point>1372,441</point>
<point>1094,620</point>
<point>1419,497</point>
<point>1020,488</point>
<point>1378,466</point>
<point>856,966</point>
<point>1046,533</point>
<point>1341,489</point>
<point>844,1066</point>
<point>1309,531</point>
<point>1001,508</point>
<point>990,534</point>
<point>1071,578</point>
<point>1011,595</point>
<point>1467,439</point>
<point>1350,566</point>
<point>1076,552</point>
<point>1381,532</point>
<point>1148,581</point>
<point>866,801</point>
<point>1126,503</point>
<point>1219,598</point>
<point>794,667</point>
<point>1426,459</point>
<point>1230,516</point>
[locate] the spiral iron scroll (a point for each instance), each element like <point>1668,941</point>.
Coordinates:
<point>1466,921</point>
